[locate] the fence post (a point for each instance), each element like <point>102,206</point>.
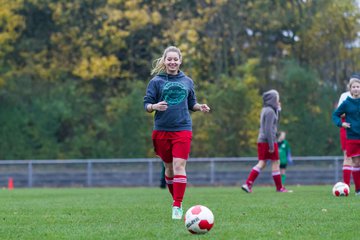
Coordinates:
<point>336,169</point>
<point>89,173</point>
<point>151,167</point>
<point>212,172</point>
<point>30,174</point>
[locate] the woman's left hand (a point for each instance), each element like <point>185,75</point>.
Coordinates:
<point>204,108</point>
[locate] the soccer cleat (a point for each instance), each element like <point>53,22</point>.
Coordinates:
<point>357,193</point>
<point>177,213</point>
<point>246,188</point>
<point>283,189</point>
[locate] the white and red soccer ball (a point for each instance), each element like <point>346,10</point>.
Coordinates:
<point>341,189</point>
<point>199,219</point>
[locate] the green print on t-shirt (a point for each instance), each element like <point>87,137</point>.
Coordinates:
<point>174,93</point>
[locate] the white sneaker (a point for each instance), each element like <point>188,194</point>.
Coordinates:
<point>246,188</point>
<point>177,213</point>
<point>283,189</point>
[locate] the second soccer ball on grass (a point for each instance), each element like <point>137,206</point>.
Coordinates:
<point>341,189</point>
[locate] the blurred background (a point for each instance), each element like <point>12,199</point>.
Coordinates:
<point>73,73</point>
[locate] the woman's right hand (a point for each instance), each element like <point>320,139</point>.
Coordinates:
<point>160,106</point>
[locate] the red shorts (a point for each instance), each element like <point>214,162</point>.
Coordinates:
<point>169,145</point>
<point>352,148</point>
<point>264,154</point>
<point>343,137</point>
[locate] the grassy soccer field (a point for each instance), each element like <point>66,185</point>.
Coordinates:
<point>310,212</point>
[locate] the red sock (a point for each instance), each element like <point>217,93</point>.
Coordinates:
<point>356,177</point>
<point>179,189</point>
<point>169,183</point>
<point>347,174</point>
<point>277,179</point>
<point>254,173</point>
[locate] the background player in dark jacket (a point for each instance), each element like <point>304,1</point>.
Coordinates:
<point>351,108</point>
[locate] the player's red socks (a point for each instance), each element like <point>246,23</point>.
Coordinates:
<point>169,183</point>
<point>347,174</point>
<point>277,179</point>
<point>254,173</point>
<point>179,185</point>
<point>356,177</point>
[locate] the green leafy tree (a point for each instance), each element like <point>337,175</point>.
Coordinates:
<point>307,104</point>
<point>232,126</point>
<point>71,71</point>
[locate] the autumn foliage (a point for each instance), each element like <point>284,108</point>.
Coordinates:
<point>73,73</point>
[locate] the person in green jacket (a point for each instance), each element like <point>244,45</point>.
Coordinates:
<point>284,154</point>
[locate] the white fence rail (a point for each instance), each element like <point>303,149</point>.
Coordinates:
<point>146,172</point>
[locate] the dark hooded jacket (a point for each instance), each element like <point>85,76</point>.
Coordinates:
<point>351,108</point>
<point>178,91</point>
<point>269,119</point>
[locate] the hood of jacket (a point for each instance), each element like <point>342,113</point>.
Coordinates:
<point>270,99</point>
<point>170,76</point>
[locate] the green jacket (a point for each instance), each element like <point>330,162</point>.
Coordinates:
<point>284,152</point>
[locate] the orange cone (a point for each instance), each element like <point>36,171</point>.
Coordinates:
<point>10,183</point>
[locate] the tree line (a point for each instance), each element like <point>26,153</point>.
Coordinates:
<point>73,73</point>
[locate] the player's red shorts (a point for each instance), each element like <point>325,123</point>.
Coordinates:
<point>168,145</point>
<point>343,136</point>
<point>352,148</point>
<point>264,154</point>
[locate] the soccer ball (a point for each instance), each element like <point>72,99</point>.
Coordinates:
<point>199,219</point>
<point>341,189</point>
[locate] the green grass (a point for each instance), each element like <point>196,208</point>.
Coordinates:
<point>311,212</point>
